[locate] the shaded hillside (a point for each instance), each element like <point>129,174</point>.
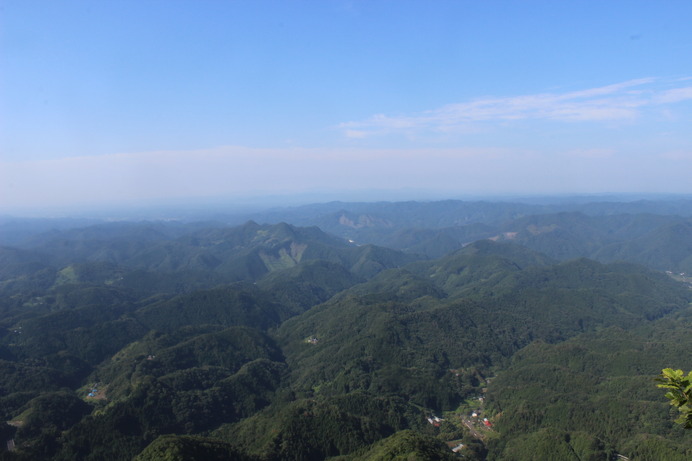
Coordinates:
<point>239,304</point>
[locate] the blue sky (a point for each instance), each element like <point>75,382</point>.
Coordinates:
<point>105,102</point>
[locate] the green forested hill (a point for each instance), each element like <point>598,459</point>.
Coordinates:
<point>665,248</point>
<point>598,384</point>
<point>483,262</point>
<point>406,339</point>
<point>572,235</point>
<point>318,428</point>
<point>366,222</point>
<point>275,342</point>
<point>237,304</point>
<point>307,284</point>
<point>185,448</point>
<point>228,254</point>
<point>139,324</point>
<point>608,232</point>
<point>659,242</point>
<point>406,445</point>
<point>436,228</point>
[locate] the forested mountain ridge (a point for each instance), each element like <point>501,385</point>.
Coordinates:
<point>271,342</point>
<point>200,259</point>
<point>599,385</point>
<point>650,232</point>
<point>660,242</point>
<point>336,217</point>
<point>607,231</point>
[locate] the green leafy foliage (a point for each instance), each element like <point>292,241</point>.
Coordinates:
<point>679,393</point>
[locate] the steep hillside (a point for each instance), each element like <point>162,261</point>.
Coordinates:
<point>402,334</point>
<point>598,386</point>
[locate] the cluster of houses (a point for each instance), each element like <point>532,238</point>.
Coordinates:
<point>435,421</point>
<point>486,423</point>
<point>456,445</point>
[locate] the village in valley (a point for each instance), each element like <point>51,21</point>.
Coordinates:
<point>469,421</point>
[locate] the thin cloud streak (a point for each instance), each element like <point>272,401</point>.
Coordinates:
<point>621,101</point>
<point>675,95</point>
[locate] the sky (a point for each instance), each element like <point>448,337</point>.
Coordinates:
<point>126,102</point>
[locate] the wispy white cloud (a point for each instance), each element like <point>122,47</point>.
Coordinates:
<point>621,101</point>
<point>675,95</point>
